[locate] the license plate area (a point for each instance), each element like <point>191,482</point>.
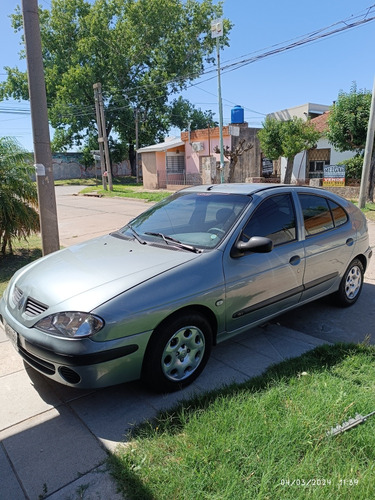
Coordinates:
<point>12,335</point>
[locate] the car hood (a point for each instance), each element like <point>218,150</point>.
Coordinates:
<point>84,276</point>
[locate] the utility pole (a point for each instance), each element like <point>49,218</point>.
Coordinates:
<point>105,162</point>
<point>136,144</point>
<point>40,126</point>
<point>368,153</point>
<point>217,32</point>
<point>100,138</point>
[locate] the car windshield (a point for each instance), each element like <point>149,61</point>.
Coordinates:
<point>198,220</point>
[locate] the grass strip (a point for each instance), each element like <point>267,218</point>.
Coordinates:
<point>264,439</point>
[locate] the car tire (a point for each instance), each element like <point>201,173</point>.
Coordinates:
<point>177,352</point>
<point>351,284</point>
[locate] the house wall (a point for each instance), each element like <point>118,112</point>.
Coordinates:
<point>249,164</point>
<point>70,166</point>
<point>154,167</point>
<point>160,160</point>
<point>300,161</point>
<point>209,139</point>
<point>302,111</point>
<point>149,170</point>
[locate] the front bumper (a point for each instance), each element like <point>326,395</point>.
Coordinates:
<point>80,363</point>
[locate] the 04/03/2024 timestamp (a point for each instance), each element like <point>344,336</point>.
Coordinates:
<point>319,482</point>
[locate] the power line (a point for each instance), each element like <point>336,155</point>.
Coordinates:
<point>299,43</point>
<point>256,56</point>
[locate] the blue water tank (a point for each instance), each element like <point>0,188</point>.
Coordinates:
<point>237,114</point>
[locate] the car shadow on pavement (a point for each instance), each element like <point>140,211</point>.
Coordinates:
<point>326,321</point>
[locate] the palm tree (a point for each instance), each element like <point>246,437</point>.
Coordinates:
<point>18,194</point>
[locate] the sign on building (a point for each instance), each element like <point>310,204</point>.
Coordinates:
<point>334,175</point>
<point>267,166</point>
<point>234,131</point>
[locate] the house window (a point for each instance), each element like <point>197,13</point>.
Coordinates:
<point>316,160</point>
<point>316,168</point>
<point>175,164</point>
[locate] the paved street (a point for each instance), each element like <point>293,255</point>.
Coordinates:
<point>83,217</point>
<point>55,439</point>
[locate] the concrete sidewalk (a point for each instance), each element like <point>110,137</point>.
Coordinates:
<point>55,439</point>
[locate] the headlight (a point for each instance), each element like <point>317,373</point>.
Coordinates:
<point>71,324</point>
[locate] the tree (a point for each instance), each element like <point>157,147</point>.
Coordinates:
<point>18,194</point>
<point>348,122</point>
<point>287,139</point>
<point>141,51</point>
<point>233,155</point>
<point>185,115</point>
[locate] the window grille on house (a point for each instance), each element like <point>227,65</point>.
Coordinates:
<point>316,159</point>
<point>175,164</point>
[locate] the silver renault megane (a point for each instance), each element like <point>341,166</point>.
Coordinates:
<point>151,299</point>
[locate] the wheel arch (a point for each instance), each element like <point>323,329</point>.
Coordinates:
<point>362,258</point>
<point>198,309</point>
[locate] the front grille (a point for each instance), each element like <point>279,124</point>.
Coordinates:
<point>33,307</point>
<point>17,295</point>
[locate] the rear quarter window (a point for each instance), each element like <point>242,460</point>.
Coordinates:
<point>321,214</point>
<point>340,217</point>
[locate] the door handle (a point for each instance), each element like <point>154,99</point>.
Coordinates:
<point>349,242</point>
<point>295,260</point>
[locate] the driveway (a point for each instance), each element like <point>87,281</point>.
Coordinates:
<point>55,439</point>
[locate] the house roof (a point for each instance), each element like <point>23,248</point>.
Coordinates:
<point>321,122</point>
<point>169,143</point>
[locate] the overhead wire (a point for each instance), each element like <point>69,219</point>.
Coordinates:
<point>230,65</point>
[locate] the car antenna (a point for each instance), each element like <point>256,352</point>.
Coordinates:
<point>210,187</point>
<point>352,422</point>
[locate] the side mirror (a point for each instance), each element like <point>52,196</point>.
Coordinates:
<point>256,244</point>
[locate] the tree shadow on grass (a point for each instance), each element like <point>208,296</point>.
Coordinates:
<point>10,263</point>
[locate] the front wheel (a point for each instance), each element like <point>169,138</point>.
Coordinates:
<point>351,284</point>
<point>177,352</point>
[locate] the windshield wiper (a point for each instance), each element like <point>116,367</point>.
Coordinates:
<point>136,235</point>
<point>169,239</point>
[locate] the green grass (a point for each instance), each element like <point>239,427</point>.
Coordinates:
<point>122,186</point>
<point>24,251</point>
<point>264,439</point>
<point>369,211</point>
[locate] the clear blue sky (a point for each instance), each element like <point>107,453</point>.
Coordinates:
<point>314,72</point>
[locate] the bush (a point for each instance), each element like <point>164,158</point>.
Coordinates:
<point>353,169</point>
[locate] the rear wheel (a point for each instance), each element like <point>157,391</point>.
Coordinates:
<point>177,352</point>
<point>351,284</point>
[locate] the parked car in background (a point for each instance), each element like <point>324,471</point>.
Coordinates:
<point>151,299</point>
